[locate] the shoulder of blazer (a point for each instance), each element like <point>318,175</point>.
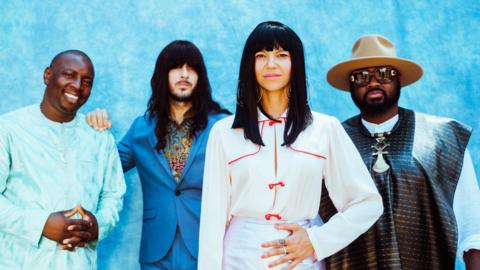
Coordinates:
<point>142,127</point>
<point>142,122</point>
<point>214,117</point>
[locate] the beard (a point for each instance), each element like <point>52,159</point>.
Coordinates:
<point>178,98</point>
<point>377,107</point>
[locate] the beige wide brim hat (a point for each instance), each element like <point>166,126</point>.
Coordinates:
<point>371,51</point>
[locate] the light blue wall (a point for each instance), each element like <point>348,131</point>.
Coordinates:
<point>124,38</point>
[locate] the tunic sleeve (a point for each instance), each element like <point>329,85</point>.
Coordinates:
<point>215,204</point>
<point>466,206</point>
<point>352,192</point>
<point>110,201</point>
<point>26,224</point>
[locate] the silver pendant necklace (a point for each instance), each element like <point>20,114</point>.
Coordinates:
<point>379,147</point>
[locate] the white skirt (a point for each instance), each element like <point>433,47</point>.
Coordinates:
<point>242,250</point>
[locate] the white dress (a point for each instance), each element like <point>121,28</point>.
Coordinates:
<point>246,184</point>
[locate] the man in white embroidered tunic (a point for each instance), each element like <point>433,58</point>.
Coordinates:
<point>61,182</point>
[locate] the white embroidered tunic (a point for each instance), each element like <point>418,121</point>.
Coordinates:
<point>47,167</point>
<point>270,182</point>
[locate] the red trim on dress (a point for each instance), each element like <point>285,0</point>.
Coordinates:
<point>273,122</point>
<point>251,154</point>
<point>308,153</point>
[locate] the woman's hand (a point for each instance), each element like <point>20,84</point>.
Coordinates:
<point>295,248</point>
<point>98,119</point>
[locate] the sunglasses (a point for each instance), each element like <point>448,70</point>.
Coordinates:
<point>362,77</point>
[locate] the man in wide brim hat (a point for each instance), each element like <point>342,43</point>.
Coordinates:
<point>370,51</point>
<point>419,163</point>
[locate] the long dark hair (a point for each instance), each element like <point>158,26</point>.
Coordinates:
<point>176,54</point>
<point>268,36</point>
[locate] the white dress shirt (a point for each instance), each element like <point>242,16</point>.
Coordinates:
<point>466,200</point>
<point>242,179</point>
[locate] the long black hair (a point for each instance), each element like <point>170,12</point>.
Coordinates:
<point>174,55</point>
<point>269,36</point>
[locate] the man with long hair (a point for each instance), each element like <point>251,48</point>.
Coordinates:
<point>420,165</point>
<point>167,145</point>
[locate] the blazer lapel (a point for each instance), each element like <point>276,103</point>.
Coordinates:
<point>161,157</point>
<point>196,144</point>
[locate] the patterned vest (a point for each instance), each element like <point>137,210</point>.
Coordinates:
<point>417,229</point>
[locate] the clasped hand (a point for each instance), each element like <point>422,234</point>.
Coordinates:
<point>71,233</point>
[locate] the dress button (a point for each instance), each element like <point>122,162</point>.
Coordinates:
<point>272,185</point>
<point>269,216</point>
<point>177,192</point>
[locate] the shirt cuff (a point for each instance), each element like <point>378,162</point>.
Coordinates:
<point>471,242</point>
<point>103,227</point>
<point>36,220</point>
<point>316,247</point>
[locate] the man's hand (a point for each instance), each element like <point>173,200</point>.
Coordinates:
<point>98,119</point>
<point>295,248</point>
<point>56,227</point>
<point>81,235</point>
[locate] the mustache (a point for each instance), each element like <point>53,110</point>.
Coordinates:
<point>375,88</point>
<point>179,82</point>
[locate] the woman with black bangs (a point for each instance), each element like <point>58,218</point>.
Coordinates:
<point>265,166</point>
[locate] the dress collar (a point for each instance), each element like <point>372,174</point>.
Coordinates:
<point>263,116</point>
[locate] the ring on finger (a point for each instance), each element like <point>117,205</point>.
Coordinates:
<point>282,242</point>
<point>284,250</point>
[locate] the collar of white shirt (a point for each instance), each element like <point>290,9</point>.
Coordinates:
<point>382,127</point>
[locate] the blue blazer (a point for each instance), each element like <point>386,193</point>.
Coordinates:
<point>166,204</point>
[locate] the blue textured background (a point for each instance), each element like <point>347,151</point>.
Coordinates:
<point>124,38</point>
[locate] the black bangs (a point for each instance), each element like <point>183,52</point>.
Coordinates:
<point>182,52</point>
<point>272,35</point>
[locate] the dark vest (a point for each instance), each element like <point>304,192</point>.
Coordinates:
<point>417,229</point>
